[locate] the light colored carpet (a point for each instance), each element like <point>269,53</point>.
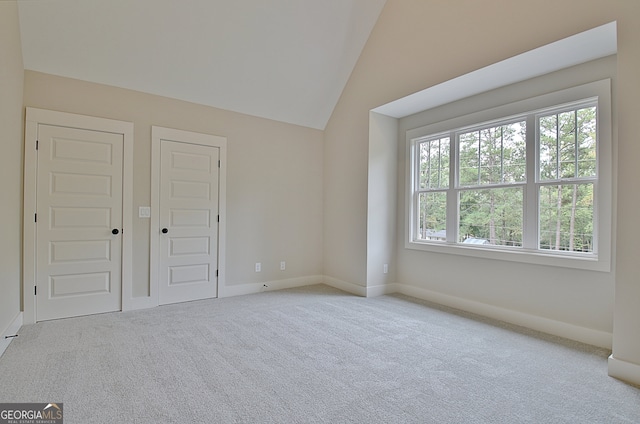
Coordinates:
<point>310,355</point>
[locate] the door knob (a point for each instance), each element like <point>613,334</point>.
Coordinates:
<point>115,231</point>
<point>165,231</point>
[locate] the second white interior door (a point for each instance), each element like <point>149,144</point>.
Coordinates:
<point>188,221</point>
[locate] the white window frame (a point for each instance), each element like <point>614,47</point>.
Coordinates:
<point>600,258</point>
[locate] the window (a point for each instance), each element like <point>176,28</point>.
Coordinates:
<point>492,173</point>
<point>529,181</point>
<point>567,176</point>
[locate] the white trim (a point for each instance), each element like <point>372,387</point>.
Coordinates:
<point>127,218</point>
<point>240,289</point>
<point>289,283</point>
<point>29,227</point>
<point>382,289</point>
<point>623,370</point>
<point>157,135</point>
<point>243,289</point>
<point>141,302</point>
<point>11,330</point>
<point>35,117</point>
<point>345,286</point>
<point>545,325</point>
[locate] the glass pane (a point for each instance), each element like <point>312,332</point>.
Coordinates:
<point>434,164</point>
<point>548,128</point>
<point>468,160</point>
<point>568,144</point>
<point>514,148</point>
<point>587,142</point>
<point>493,155</point>
<point>490,155</point>
<point>566,217</point>
<point>432,220</point>
<point>491,216</point>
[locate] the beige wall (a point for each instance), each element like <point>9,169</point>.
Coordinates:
<point>418,44</point>
<point>274,176</point>
<point>11,76</point>
<point>382,205</point>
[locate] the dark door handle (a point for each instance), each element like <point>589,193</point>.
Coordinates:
<point>115,231</point>
<point>165,231</point>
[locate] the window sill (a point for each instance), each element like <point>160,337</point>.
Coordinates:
<point>564,260</point>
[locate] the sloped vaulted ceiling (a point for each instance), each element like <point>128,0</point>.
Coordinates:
<point>286,60</point>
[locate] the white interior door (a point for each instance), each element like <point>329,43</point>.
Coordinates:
<point>79,222</point>
<point>188,219</point>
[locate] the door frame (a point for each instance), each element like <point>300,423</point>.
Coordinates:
<point>181,136</point>
<point>35,117</point>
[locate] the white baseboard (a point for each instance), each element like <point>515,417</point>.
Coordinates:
<point>345,286</point>
<point>239,289</point>
<point>144,302</point>
<point>289,283</point>
<point>11,330</point>
<point>382,289</point>
<point>623,370</point>
<point>545,325</point>
<point>147,302</point>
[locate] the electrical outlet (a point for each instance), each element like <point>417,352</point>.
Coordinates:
<point>258,267</point>
<point>283,265</point>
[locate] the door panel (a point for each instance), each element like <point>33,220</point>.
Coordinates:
<point>76,285</point>
<point>189,246</point>
<point>79,203</point>
<point>189,179</point>
<point>80,251</point>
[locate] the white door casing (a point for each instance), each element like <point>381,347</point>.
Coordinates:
<point>74,219</point>
<point>188,190</point>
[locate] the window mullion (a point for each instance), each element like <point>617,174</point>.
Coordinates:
<point>439,162</point>
<point>531,192</point>
<point>575,141</point>
<point>415,222</point>
<point>452,191</point>
<point>502,154</point>
<point>479,156</point>
<point>428,182</point>
<point>558,146</point>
